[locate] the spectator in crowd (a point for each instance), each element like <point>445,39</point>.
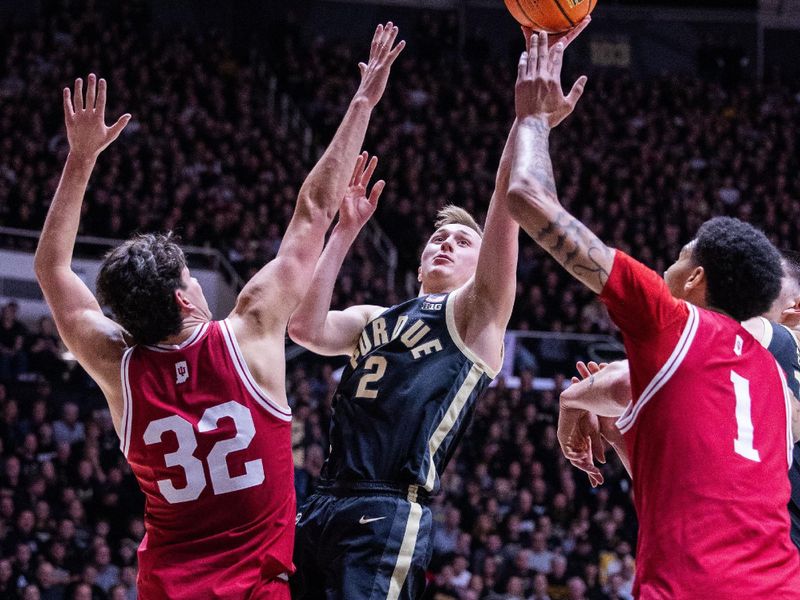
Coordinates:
<point>68,429</point>
<point>13,359</point>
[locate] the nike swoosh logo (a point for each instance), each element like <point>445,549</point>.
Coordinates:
<point>364,520</point>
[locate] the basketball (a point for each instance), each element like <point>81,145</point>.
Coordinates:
<point>552,16</point>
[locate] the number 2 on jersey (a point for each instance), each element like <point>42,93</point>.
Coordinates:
<point>373,362</point>
<point>743,444</point>
<point>221,480</point>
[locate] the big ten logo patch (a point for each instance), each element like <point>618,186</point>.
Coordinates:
<point>434,302</point>
<point>181,371</point>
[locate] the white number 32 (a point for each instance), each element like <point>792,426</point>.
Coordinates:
<point>221,480</point>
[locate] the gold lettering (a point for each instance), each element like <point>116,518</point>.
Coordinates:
<point>379,333</point>
<point>354,358</point>
<point>426,348</point>
<point>415,333</point>
<point>398,327</point>
<point>364,344</point>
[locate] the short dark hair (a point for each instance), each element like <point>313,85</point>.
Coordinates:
<point>743,269</point>
<point>137,281</point>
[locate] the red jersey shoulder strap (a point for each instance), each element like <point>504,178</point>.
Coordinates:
<point>664,374</point>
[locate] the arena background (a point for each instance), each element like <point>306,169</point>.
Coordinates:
<point>691,111</point>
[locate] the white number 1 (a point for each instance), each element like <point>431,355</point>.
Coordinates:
<point>743,444</point>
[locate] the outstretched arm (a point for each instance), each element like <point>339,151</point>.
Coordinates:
<point>313,324</point>
<point>540,106</point>
<point>485,303</point>
<point>95,340</point>
<point>269,298</point>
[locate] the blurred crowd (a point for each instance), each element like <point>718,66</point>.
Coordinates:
<point>211,153</point>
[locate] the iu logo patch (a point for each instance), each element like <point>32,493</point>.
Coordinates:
<point>181,371</point>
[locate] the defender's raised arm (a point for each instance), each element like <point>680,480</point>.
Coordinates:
<point>533,200</point>
<point>95,340</point>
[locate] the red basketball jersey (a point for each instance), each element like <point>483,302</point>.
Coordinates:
<point>709,438</point>
<point>212,454</point>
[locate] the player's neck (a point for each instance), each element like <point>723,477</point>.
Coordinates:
<point>188,326</point>
<point>717,310</point>
<point>435,289</point>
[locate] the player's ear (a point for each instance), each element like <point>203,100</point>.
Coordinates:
<point>696,280</point>
<point>419,274</point>
<point>184,304</point>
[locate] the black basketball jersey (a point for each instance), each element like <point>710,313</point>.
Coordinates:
<point>406,397</point>
<point>784,347</point>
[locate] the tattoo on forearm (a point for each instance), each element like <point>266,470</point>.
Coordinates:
<point>542,167</point>
<point>566,238</point>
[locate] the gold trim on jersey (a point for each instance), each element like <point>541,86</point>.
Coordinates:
<point>450,317</point>
<point>449,420</point>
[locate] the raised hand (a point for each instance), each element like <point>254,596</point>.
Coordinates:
<point>538,90</point>
<point>358,206</point>
<point>87,132</point>
<point>382,54</point>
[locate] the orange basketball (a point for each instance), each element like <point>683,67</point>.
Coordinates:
<point>552,16</point>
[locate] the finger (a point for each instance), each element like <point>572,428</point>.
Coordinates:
<point>377,189</point>
<point>575,380</point>
<point>598,447</point>
<point>78,95</point>
<point>396,51</point>
<point>367,174</point>
<point>533,54</point>
<point>577,91</point>
<point>359,162</point>
<point>583,370</point>
<point>91,91</point>
<point>116,128</point>
<point>362,68</point>
<point>522,66</point>
<point>575,31</point>
<point>527,32</point>
<point>376,39</point>
<point>68,110</point>
<point>101,96</point>
<point>392,35</point>
<point>603,365</point>
<point>556,59</point>
<point>593,367</point>
<point>543,57</point>
<point>387,32</point>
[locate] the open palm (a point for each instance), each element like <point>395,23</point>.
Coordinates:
<point>358,206</point>
<point>85,119</point>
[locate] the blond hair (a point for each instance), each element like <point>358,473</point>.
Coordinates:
<point>454,215</point>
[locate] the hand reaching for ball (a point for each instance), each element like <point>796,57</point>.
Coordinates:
<point>538,92</point>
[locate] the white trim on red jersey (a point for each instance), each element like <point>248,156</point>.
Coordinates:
<point>632,411</point>
<point>284,414</point>
<point>195,336</point>
<point>787,397</point>
<point>127,403</point>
